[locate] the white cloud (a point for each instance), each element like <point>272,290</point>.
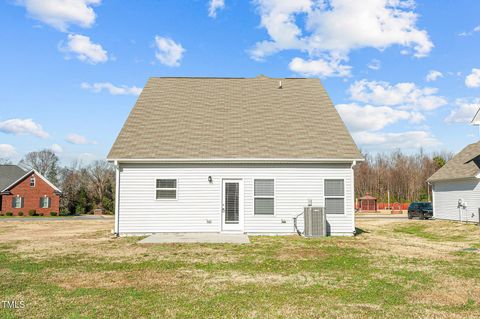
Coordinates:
<point>389,141</point>
<point>78,139</point>
<point>374,118</point>
<point>112,89</point>
<point>334,28</point>
<point>57,149</point>
<point>374,64</point>
<point>168,51</point>
<point>60,14</point>
<point>7,150</point>
<point>214,6</point>
<point>320,67</point>
<point>469,33</point>
<point>433,75</point>
<point>84,49</point>
<point>464,111</point>
<point>473,79</point>
<point>404,95</point>
<point>22,127</point>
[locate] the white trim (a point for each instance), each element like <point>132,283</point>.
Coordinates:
<point>352,189</point>
<point>117,198</point>
<point>268,197</point>
<point>165,188</point>
<point>241,209</point>
<point>234,160</point>
<point>36,173</point>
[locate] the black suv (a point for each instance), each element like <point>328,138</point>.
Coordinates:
<point>423,210</point>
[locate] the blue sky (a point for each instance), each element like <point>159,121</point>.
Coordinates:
<point>403,74</point>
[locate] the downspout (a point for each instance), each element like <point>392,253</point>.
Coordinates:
<point>117,199</point>
<point>353,196</point>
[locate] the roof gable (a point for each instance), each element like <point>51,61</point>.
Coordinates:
<point>234,118</point>
<point>9,174</point>
<point>463,165</point>
<point>25,175</point>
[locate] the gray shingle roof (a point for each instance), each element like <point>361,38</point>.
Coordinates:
<point>9,174</point>
<point>463,165</point>
<point>234,118</point>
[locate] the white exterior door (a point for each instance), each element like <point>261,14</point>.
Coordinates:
<point>232,205</point>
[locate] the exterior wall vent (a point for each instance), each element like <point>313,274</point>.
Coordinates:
<point>315,221</point>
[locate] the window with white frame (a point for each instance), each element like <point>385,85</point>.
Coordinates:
<point>32,181</point>
<point>264,197</point>
<point>166,189</point>
<point>334,196</point>
<point>17,202</point>
<point>45,202</point>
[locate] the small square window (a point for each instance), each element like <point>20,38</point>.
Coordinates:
<point>166,189</point>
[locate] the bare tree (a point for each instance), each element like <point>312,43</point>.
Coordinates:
<point>102,177</point>
<point>404,176</point>
<point>45,162</point>
<point>5,161</point>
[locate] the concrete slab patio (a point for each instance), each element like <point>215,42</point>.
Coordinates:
<point>211,238</point>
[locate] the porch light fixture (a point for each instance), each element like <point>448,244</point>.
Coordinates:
<point>210,179</point>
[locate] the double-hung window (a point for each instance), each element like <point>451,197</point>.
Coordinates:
<point>17,202</point>
<point>45,202</point>
<point>264,197</point>
<point>166,189</point>
<point>32,181</point>
<point>334,196</point>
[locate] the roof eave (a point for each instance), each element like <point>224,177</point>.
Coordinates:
<point>234,160</point>
<point>452,179</point>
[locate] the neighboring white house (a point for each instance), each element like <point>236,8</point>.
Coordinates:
<point>232,154</point>
<point>456,186</point>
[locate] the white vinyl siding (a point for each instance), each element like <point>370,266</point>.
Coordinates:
<point>446,195</point>
<point>334,196</point>
<point>198,209</point>
<point>166,189</point>
<point>264,197</point>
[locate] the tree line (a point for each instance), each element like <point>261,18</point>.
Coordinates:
<point>403,175</point>
<point>84,187</point>
<point>87,187</point>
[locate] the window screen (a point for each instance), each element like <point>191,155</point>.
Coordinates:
<point>166,189</point>
<point>334,196</point>
<point>264,202</point>
<point>334,205</point>
<point>334,187</point>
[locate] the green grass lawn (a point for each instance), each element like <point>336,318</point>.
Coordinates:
<point>393,269</point>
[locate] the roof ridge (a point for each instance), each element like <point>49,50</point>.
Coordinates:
<point>227,78</point>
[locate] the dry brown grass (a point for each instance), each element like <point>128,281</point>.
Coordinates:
<point>390,270</point>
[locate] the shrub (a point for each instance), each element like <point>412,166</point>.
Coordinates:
<point>64,212</point>
<point>32,212</point>
<point>20,213</point>
<point>53,213</point>
<point>9,213</point>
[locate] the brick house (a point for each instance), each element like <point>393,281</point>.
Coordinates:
<point>22,191</point>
